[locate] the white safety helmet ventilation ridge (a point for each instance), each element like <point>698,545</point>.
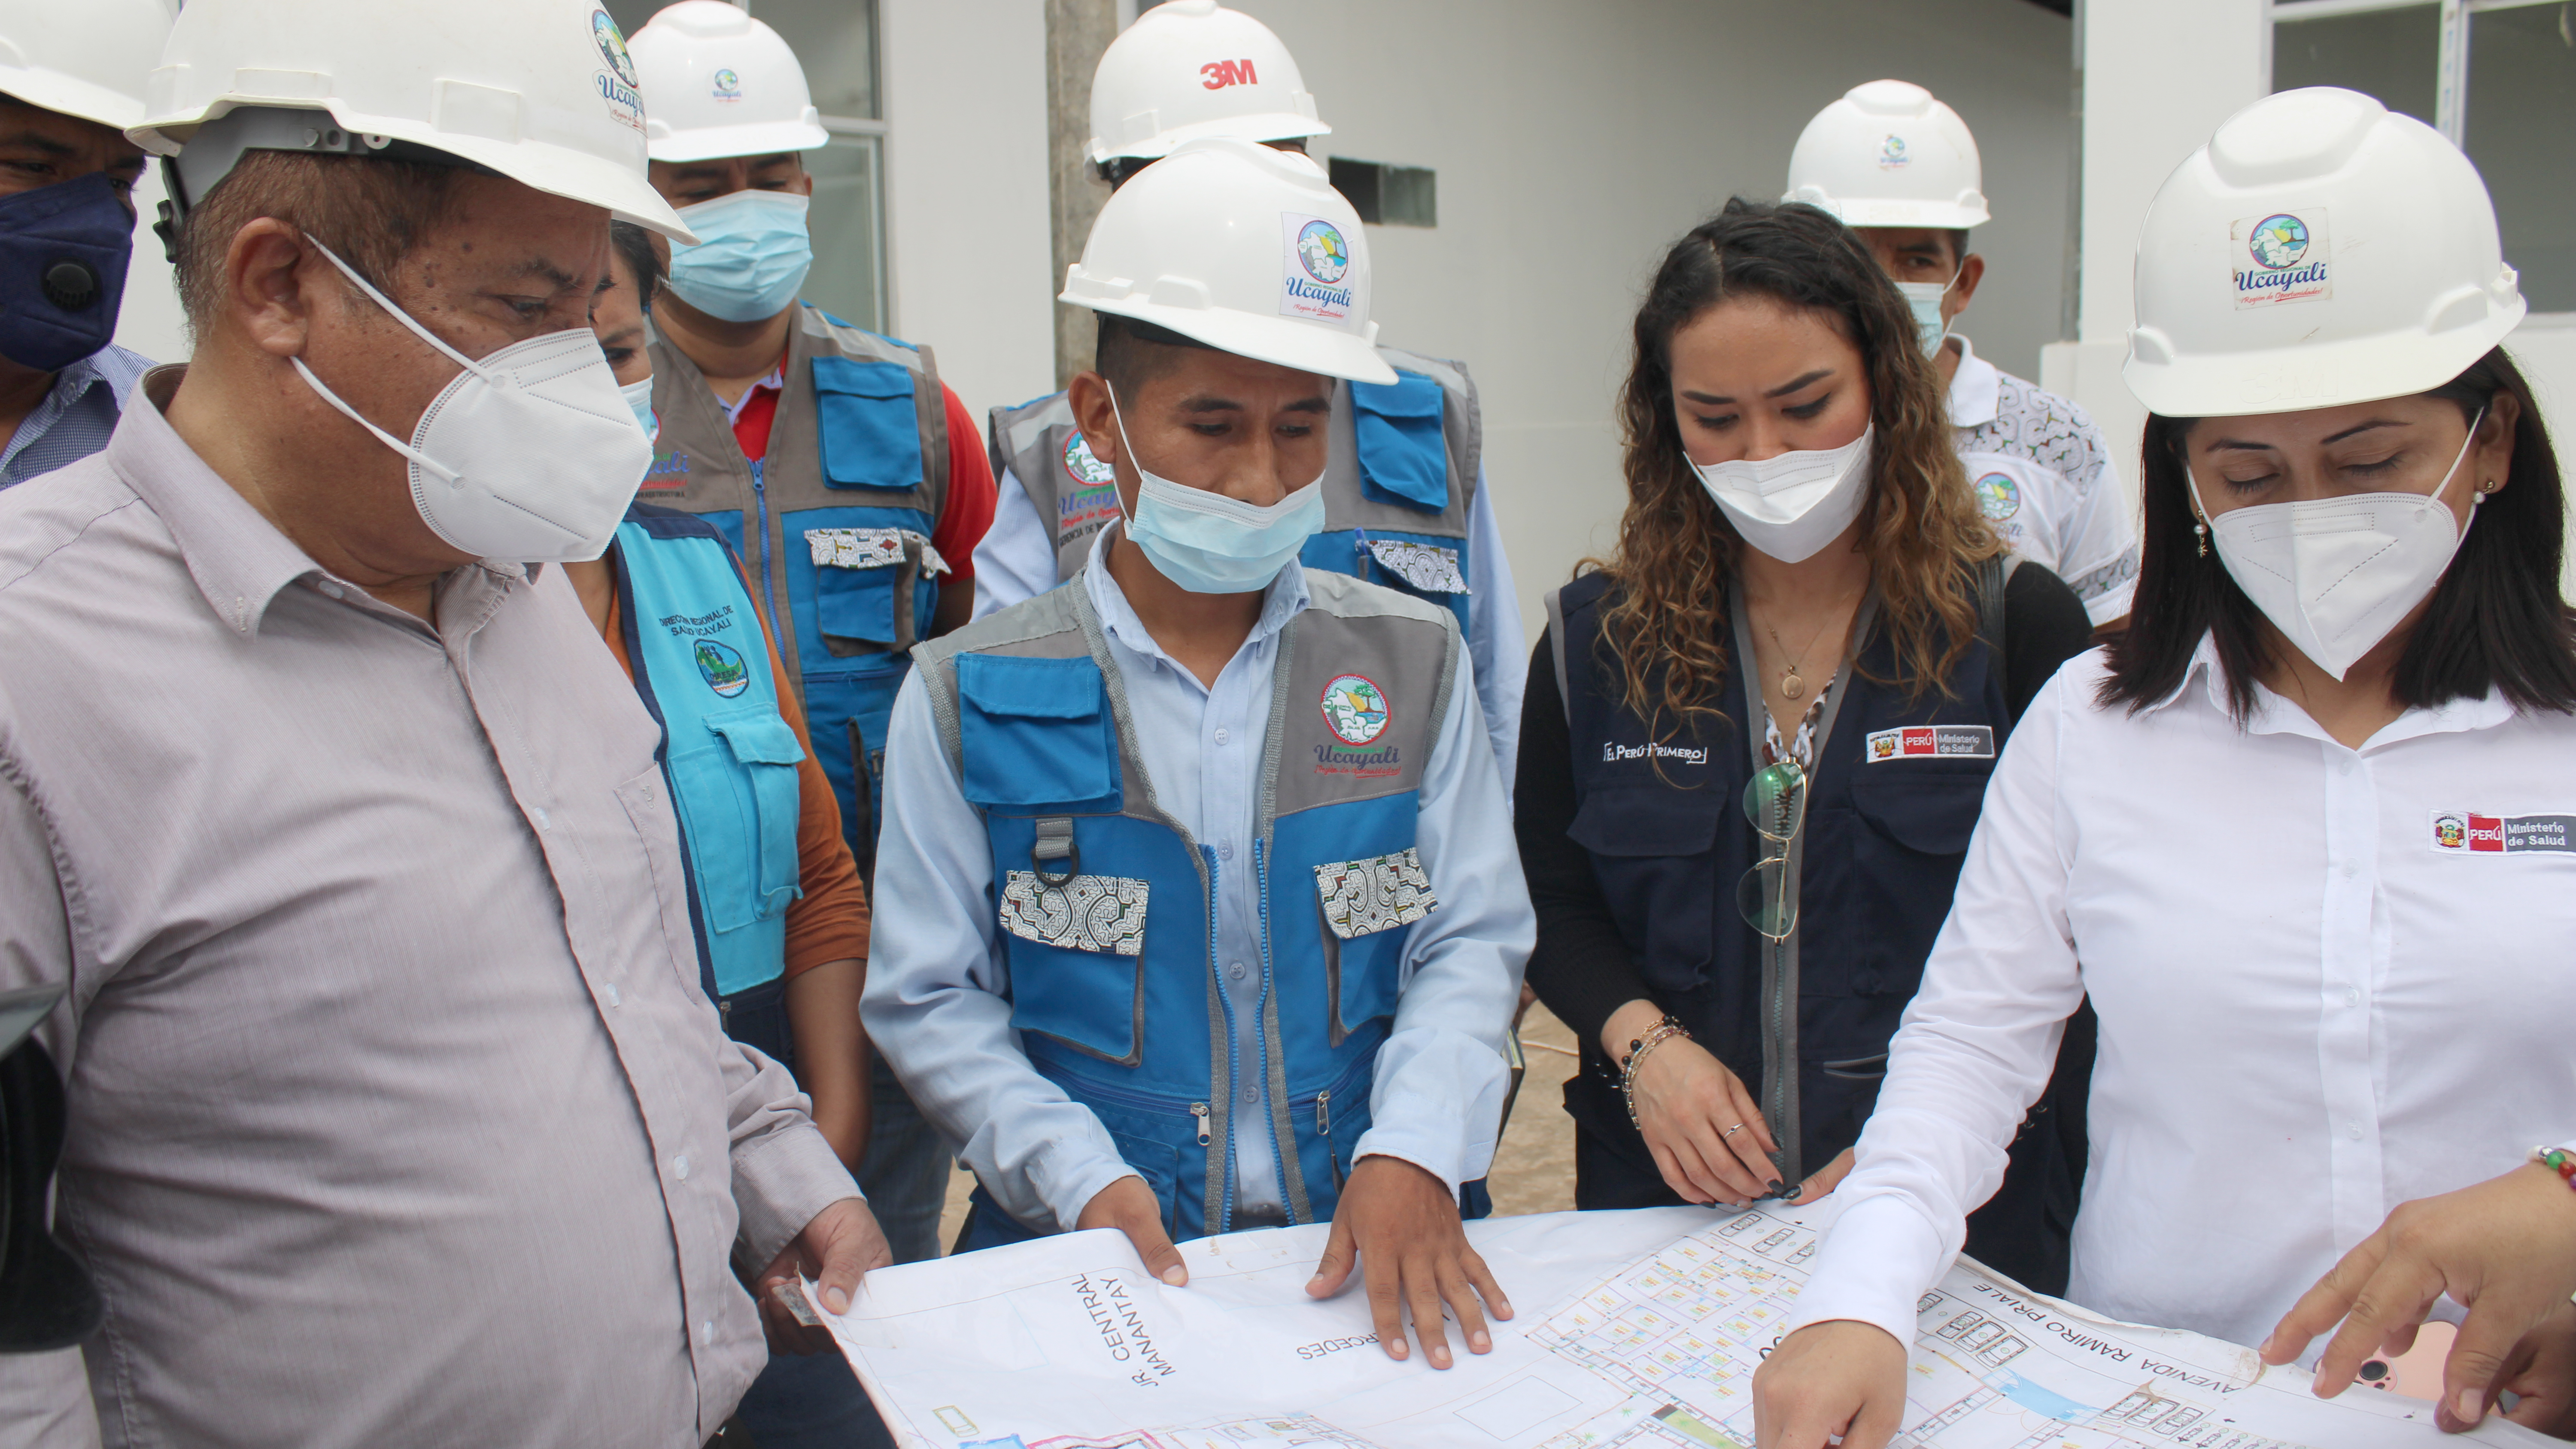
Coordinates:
<point>542,92</point>
<point>1245,248</point>
<point>1192,68</point>
<point>721,83</point>
<point>1889,154</point>
<point>2320,250</point>
<point>86,59</point>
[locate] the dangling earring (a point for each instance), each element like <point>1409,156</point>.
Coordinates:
<point>2200,533</point>
<point>2483,492</point>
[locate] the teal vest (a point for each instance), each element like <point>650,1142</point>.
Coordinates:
<point>702,668</point>
<point>1400,474</point>
<point>1105,905</point>
<point>836,519</point>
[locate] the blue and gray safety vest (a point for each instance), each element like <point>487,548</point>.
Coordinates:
<point>1400,474</point>
<point>837,519</point>
<point>729,757</point>
<point>1106,905</point>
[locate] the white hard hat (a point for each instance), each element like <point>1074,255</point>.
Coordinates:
<point>1245,248</point>
<point>2320,250</point>
<point>722,84</point>
<point>539,91</point>
<point>1888,154</point>
<point>1191,68</point>
<point>86,59</point>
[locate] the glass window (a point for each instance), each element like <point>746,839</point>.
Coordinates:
<point>2521,110</point>
<point>2390,54</point>
<point>848,223</point>
<point>837,42</point>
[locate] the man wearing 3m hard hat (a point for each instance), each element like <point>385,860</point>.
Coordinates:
<point>1283,766</point>
<point>842,467</point>
<point>1405,500</point>
<point>394,1102</point>
<point>1900,168</point>
<point>71,81</point>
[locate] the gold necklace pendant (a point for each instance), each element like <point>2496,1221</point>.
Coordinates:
<point>1791,686</point>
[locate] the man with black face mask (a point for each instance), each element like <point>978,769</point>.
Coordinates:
<point>71,81</point>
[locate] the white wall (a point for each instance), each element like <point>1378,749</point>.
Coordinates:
<point>1575,142</point>
<point>150,321</point>
<point>966,192</point>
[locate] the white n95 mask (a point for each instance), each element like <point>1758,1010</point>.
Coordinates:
<point>1794,504</point>
<point>1211,544</point>
<point>639,396</point>
<point>2335,575</point>
<point>1923,299</point>
<point>530,455</point>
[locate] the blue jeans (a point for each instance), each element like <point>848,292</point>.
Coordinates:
<point>905,1171</point>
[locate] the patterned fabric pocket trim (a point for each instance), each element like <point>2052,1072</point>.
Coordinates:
<point>1432,569</point>
<point>1381,893</point>
<point>870,548</point>
<point>1103,913</point>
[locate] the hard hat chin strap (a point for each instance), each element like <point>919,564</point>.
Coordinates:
<point>217,147</point>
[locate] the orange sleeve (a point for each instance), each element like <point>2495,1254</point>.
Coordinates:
<point>830,921</point>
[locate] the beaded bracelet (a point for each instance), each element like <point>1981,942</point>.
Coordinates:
<point>2557,1159</point>
<point>1656,1035</point>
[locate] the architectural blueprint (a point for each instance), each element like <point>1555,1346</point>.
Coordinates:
<point>1635,1330</point>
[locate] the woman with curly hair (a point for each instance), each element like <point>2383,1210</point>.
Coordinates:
<point>1756,739</point>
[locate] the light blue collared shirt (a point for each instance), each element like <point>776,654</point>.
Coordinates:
<point>935,1000</point>
<point>1016,560</point>
<point>76,417</point>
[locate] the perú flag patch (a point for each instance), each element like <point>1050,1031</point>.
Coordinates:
<point>2465,832</point>
<point>1974,742</point>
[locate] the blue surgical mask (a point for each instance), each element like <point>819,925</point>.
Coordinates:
<point>1211,544</point>
<point>639,396</point>
<point>63,254</point>
<point>1923,299</point>
<point>752,258</point>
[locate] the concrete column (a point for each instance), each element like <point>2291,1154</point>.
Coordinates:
<point>1077,31</point>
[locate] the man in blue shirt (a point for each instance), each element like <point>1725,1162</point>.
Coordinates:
<point>1198,908</point>
<point>71,81</point>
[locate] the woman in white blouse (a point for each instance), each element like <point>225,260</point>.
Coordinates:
<point>2309,826</point>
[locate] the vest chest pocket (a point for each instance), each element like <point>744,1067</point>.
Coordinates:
<point>1366,906</point>
<point>869,427</point>
<point>861,576</point>
<point>1653,855</point>
<point>1036,732</point>
<point>1404,458</point>
<point>1908,837</point>
<point>740,801</point>
<point>1080,978</point>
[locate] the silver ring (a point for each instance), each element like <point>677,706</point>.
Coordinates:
<point>1731,1131</point>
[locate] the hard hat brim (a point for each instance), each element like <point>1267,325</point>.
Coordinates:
<point>1938,216</point>
<point>538,165</point>
<point>1304,347</point>
<point>709,143</point>
<point>50,90</point>
<point>1276,126</point>
<point>2304,377</point>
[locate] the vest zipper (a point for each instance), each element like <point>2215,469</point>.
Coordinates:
<point>1276,1110</point>
<point>1324,1112</point>
<point>1200,1111</point>
<point>1233,1051</point>
<point>760,509</point>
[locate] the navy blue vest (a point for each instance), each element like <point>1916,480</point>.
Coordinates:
<point>1892,802</point>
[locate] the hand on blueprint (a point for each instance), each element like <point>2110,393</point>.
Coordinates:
<point>1131,1207</point>
<point>841,1243</point>
<point>2505,1248</point>
<point>1826,1379</point>
<point>1401,1223</point>
<point>1707,1136</point>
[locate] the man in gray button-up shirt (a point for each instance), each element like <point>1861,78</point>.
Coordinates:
<point>396,1113</point>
